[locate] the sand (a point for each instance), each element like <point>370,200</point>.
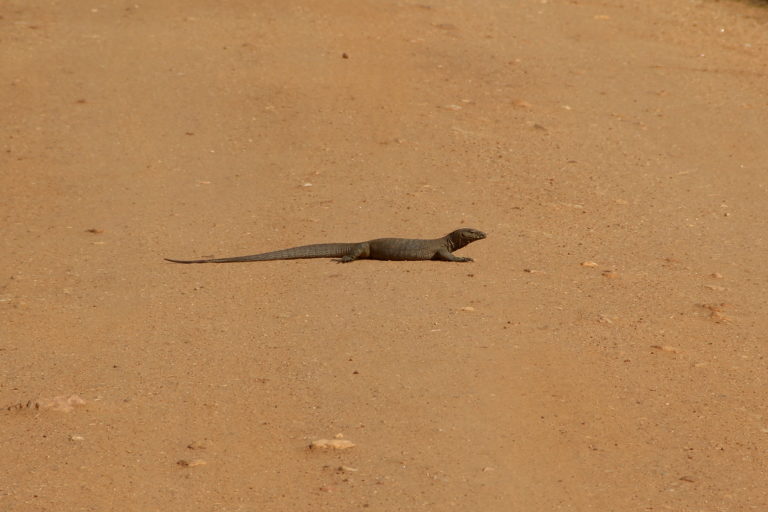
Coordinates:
<point>606,350</point>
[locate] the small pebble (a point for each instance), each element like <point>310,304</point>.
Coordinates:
<point>716,312</point>
<point>191,463</point>
<point>467,308</point>
<point>716,275</point>
<point>60,403</point>
<point>715,308</point>
<point>335,444</point>
<point>667,348</point>
<point>719,317</point>
<point>604,319</point>
<point>199,445</point>
<point>588,264</point>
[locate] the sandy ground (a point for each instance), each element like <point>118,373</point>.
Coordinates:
<point>631,135</point>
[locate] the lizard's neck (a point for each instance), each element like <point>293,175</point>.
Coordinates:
<point>454,241</point>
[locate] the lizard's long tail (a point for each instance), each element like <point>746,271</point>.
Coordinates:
<point>302,252</point>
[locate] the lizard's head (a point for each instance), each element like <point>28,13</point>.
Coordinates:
<point>464,236</point>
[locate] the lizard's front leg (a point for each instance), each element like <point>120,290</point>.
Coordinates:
<point>446,255</point>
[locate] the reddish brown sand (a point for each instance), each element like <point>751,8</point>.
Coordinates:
<point>628,134</point>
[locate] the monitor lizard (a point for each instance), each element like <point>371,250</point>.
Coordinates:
<point>378,249</point>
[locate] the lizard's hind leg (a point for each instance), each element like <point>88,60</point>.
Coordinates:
<point>358,252</point>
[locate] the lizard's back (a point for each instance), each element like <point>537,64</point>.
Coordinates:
<point>403,249</point>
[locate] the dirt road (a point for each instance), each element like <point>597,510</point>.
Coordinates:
<point>606,350</point>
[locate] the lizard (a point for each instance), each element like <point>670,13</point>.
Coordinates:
<point>401,249</point>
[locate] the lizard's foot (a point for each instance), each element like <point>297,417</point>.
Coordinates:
<point>463,260</point>
<point>344,259</point>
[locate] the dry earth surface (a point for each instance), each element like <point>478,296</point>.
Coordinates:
<point>628,134</point>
